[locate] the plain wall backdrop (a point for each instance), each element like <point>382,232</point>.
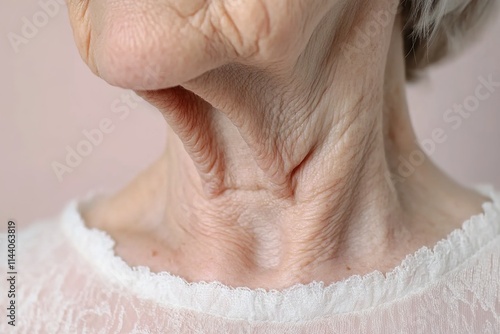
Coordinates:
<point>50,102</point>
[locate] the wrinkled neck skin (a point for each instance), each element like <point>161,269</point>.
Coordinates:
<point>288,174</point>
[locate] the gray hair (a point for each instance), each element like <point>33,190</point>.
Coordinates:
<point>435,28</point>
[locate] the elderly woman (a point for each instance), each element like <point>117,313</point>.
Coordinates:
<point>281,204</point>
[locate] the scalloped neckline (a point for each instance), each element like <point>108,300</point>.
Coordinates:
<point>353,294</point>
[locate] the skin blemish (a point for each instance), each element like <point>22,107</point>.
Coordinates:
<point>154,252</point>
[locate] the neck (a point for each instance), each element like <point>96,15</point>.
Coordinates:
<point>283,176</point>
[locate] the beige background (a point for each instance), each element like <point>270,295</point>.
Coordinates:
<point>48,97</point>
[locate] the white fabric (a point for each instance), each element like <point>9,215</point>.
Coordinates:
<point>70,281</point>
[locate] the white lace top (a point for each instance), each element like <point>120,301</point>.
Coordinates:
<point>70,281</point>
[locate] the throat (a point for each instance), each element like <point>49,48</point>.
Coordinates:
<point>273,178</point>
<point>346,215</point>
<point>342,218</point>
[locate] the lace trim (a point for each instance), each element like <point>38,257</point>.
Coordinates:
<point>301,302</point>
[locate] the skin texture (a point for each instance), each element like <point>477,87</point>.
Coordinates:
<point>282,147</point>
